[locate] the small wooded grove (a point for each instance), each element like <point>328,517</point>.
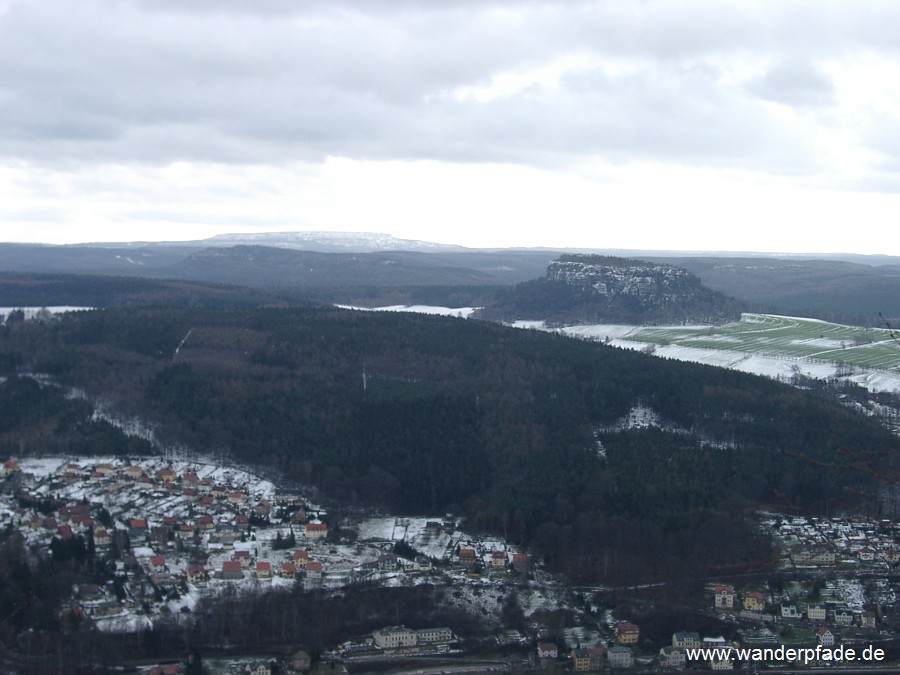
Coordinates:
<point>432,414</point>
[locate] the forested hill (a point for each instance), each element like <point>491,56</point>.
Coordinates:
<point>425,413</point>
<point>604,289</point>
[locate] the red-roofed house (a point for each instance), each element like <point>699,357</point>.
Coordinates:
<point>157,564</point>
<point>288,570</point>
<point>627,633</point>
<point>316,530</point>
<point>185,531</point>
<point>724,597</point>
<point>105,469</point>
<point>134,472</point>
<point>167,669</point>
<point>137,527</point>
<point>826,637</point>
<point>102,537</point>
<point>196,574</point>
<point>520,563</point>
<point>82,521</point>
<point>755,601</point>
<point>166,475</point>
<point>231,569</point>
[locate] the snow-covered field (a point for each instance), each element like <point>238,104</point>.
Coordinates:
<point>751,345</point>
<point>31,312</point>
<point>768,345</point>
<point>463,312</point>
<point>770,366</point>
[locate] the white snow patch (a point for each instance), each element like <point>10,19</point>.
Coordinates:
<point>31,312</point>
<point>820,342</point>
<point>124,623</point>
<point>639,417</point>
<point>463,312</point>
<point>599,331</point>
<point>772,366</point>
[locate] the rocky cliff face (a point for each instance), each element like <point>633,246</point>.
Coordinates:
<point>603,289</point>
<point>651,286</point>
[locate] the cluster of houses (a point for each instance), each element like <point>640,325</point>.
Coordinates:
<point>838,542</point>
<point>178,531</point>
<point>826,619</point>
<point>620,653</point>
<point>753,605</point>
<point>296,663</point>
<point>159,523</point>
<point>476,560</point>
<point>299,563</point>
<point>181,528</point>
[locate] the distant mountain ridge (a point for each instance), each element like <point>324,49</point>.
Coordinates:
<point>273,267</point>
<point>330,242</point>
<point>843,291</point>
<point>603,289</point>
<point>345,267</point>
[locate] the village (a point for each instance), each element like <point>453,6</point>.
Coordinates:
<point>180,531</point>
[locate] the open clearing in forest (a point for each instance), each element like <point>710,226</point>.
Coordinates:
<point>785,337</point>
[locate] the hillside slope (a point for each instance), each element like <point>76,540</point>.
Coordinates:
<point>434,413</point>
<point>839,291</point>
<point>602,289</point>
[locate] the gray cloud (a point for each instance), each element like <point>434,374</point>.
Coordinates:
<point>795,83</point>
<point>275,81</point>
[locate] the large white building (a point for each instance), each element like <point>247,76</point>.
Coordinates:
<point>434,635</point>
<point>393,637</point>
<point>620,656</point>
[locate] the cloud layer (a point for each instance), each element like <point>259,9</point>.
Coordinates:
<point>541,83</point>
<point>804,91</point>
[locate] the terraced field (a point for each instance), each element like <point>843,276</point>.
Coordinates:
<point>784,337</point>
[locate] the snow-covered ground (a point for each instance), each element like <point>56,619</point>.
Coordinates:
<point>619,335</point>
<point>463,312</point>
<point>769,366</point>
<point>162,493</point>
<point>31,312</point>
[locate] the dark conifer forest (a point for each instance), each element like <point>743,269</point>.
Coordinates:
<point>513,429</point>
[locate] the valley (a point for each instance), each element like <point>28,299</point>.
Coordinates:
<point>540,502</point>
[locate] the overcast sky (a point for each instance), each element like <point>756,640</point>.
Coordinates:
<point>717,125</point>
